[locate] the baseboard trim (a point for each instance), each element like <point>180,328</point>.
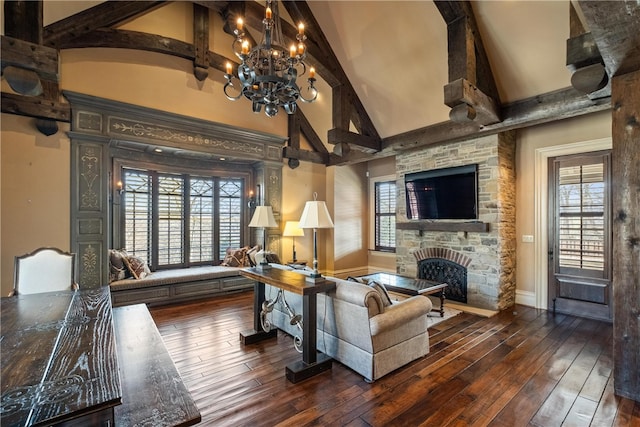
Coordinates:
<point>527,298</point>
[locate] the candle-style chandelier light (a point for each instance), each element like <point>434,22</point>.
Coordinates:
<point>268,72</point>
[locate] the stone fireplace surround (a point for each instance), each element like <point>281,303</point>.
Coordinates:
<point>489,255</point>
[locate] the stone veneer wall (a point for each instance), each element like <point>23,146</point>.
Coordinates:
<point>491,273</point>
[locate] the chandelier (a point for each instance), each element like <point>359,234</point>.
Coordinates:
<point>268,72</point>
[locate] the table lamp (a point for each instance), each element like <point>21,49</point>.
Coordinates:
<point>315,215</point>
<point>292,229</point>
<point>263,217</point>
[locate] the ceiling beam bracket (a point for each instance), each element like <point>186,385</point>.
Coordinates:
<point>467,103</point>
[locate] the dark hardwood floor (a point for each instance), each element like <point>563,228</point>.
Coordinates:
<point>521,367</point>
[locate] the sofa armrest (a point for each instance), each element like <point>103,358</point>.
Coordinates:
<point>359,294</point>
<point>399,314</point>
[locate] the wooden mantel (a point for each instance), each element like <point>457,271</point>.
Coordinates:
<point>475,226</point>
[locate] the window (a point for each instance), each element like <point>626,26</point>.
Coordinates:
<point>581,217</point>
<point>177,220</point>
<point>385,216</point>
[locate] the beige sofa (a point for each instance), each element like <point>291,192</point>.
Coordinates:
<point>357,330</point>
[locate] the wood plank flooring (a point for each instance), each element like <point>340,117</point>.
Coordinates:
<point>522,367</point>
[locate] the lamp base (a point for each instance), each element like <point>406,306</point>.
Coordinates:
<point>314,279</point>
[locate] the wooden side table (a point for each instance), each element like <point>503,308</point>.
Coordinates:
<point>312,362</point>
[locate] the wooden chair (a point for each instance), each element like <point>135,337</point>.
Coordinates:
<point>44,270</point>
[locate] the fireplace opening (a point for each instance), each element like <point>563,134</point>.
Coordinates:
<point>445,266</point>
<point>445,271</point>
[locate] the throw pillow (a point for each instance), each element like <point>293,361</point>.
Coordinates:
<point>382,290</point>
<point>118,269</point>
<point>273,258</point>
<point>139,269</point>
<point>251,255</point>
<point>235,257</point>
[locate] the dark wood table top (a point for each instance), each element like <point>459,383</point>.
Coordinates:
<point>287,280</point>
<point>406,285</point>
<point>58,356</point>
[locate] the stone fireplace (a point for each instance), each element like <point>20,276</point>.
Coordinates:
<point>478,257</point>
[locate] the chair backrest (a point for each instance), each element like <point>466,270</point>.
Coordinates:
<point>44,270</point>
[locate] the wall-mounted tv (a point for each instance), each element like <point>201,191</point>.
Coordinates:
<point>450,193</point>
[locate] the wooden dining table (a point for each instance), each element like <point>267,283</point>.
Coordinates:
<point>58,359</point>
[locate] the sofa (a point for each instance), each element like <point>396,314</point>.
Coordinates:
<point>358,326</point>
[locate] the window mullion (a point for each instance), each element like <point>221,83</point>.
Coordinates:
<point>155,239</point>
<point>216,218</point>
<point>186,218</point>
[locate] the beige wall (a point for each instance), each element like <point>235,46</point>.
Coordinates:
<point>350,215</point>
<point>298,187</point>
<point>380,261</point>
<point>571,131</point>
<point>35,202</point>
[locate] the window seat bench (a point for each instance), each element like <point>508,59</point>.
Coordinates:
<point>177,285</point>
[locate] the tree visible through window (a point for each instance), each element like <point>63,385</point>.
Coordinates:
<point>175,220</point>
<point>385,216</point>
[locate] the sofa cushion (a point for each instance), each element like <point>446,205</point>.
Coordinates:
<point>178,275</point>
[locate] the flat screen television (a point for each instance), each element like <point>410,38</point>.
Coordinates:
<point>450,193</point>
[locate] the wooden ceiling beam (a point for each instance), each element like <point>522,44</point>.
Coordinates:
<point>136,40</point>
<point>544,108</point>
<point>30,68</point>
<point>102,15</point>
<point>588,73</point>
<point>23,20</point>
<point>536,110</point>
<point>201,41</point>
<point>30,56</point>
<point>36,106</point>
<point>353,112</point>
<point>471,92</point>
<point>305,155</point>
<point>620,49</point>
<point>298,124</point>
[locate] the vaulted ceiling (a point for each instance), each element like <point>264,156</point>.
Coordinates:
<point>403,74</point>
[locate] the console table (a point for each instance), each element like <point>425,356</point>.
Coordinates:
<point>312,362</point>
<point>59,359</point>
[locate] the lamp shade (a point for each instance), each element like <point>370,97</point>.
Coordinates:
<point>292,229</point>
<point>263,217</point>
<point>315,215</point>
